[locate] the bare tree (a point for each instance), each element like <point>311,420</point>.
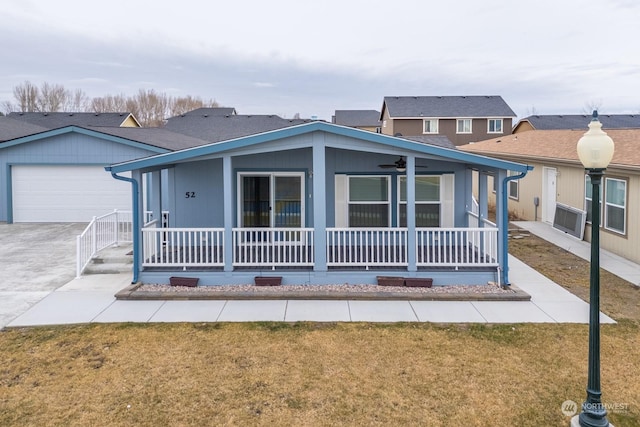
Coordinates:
<point>26,96</point>
<point>181,105</point>
<point>77,101</point>
<point>8,107</point>
<point>151,108</point>
<point>51,97</point>
<point>109,104</point>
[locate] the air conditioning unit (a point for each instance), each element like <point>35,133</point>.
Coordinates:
<point>570,220</point>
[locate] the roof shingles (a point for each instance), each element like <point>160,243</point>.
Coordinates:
<point>558,145</point>
<point>577,121</point>
<point>447,106</point>
<point>58,120</point>
<point>222,128</point>
<point>355,118</point>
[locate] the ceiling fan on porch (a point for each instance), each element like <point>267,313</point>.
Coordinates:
<point>400,165</point>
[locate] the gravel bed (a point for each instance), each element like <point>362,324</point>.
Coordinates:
<point>344,288</point>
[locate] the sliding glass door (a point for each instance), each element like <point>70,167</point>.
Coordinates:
<point>271,200</point>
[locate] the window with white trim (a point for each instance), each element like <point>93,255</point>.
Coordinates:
<point>494,126</point>
<point>430,126</point>
<point>514,187</point>
<point>463,126</point>
<point>588,197</point>
<point>615,202</point>
<point>427,201</point>
<point>369,201</point>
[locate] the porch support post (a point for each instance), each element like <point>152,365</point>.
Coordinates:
<point>319,206</point>
<point>411,213</point>
<point>227,186</point>
<point>138,223</point>
<point>483,198</point>
<point>468,186</point>
<point>502,222</point>
<point>156,197</point>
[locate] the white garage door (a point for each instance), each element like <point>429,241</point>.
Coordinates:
<point>66,193</point>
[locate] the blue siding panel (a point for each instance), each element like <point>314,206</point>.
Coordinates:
<point>61,149</point>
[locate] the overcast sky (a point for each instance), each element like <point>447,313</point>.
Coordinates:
<point>313,57</point>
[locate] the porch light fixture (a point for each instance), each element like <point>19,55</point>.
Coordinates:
<point>401,165</point>
<point>595,150</point>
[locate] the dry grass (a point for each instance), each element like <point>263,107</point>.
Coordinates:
<point>308,374</point>
<point>323,374</point>
<point>618,298</point>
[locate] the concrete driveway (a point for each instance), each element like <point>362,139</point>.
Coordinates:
<point>35,259</point>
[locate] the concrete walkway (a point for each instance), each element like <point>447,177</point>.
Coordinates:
<point>90,299</point>
<point>613,263</point>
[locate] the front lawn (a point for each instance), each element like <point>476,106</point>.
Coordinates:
<point>325,374</point>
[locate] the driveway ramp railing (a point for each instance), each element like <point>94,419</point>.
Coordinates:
<point>102,232</point>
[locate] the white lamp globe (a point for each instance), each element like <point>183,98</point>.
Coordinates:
<point>595,148</point>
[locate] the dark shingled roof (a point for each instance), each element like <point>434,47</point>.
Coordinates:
<point>438,140</point>
<point>12,129</point>
<point>58,120</point>
<point>157,137</point>
<point>447,106</point>
<point>211,111</point>
<point>222,128</point>
<point>355,118</point>
<point>581,121</point>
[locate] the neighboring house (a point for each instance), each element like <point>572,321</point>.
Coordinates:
<point>462,119</point>
<point>58,120</point>
<point>559,179</point>
<point>359,119</point>
<point>317,203</point>
<point>576,121</point>
<point>57,175</point>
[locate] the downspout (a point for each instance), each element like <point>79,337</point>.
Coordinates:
<point>505,221</point>
<point>136,222</point>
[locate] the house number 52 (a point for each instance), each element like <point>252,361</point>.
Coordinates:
<point>190,195</point>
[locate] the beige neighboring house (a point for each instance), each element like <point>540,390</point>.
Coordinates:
<point>559,179</point>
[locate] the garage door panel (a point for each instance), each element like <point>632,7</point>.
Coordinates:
<point>65,193</point>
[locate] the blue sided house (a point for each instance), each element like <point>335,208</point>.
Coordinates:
<point>318,203</point>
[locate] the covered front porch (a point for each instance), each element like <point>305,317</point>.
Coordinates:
<point>349,254</point>
<point>318,204</point>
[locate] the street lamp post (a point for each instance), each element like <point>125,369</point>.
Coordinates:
<point>595,150</point>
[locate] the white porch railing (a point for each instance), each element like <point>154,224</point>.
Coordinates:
<point>294,247</point>
<point>370,247</point>
<point>103,231</point>
<point>259,247</point>
<point>182,247</point>
<point>457,247</point>
<point>474,217</point>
